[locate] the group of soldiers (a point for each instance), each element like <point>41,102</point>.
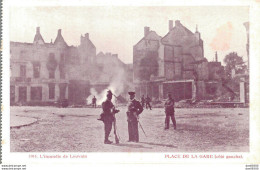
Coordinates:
<point>146,102</point>
<point>134,109</point>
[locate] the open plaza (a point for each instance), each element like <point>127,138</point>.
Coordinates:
<point>51,129</point>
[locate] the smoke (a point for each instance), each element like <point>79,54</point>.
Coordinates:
<point>115,74</point>
<point>99,96</point>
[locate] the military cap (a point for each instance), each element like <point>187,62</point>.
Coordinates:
<point>109,93</point>
<point>131,93</point>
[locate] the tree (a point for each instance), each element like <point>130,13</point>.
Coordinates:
<point>234,62</point>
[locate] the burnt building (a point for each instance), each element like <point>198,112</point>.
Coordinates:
<point>38,70</point>
<point>172,63</point>
<point>44,73</point>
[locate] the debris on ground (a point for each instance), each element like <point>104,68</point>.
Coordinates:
<point>190,103</point>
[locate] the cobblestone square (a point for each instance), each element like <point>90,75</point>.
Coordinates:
<point>78,130</point>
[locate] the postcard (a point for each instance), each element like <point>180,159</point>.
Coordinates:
<point>121,84</point>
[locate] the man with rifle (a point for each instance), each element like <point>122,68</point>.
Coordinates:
<point>134,109</point>
<point>108,117</point>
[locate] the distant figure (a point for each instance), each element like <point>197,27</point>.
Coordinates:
<point>169,112</point>
<point>147,102</point>
<point>143,101</point>
<point>134,108</point>
<point>94,102</point>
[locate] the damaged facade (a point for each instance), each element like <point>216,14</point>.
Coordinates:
<point>48,72</point>
<point>173,63</point>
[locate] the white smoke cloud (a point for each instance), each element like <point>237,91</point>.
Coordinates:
<point>117,84</point>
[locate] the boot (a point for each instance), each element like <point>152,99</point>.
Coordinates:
<point>166,128</point>
<point>107,142</point>
<point>117,140</point>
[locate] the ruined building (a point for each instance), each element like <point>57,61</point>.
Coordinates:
<point>44,72</point>
<point>173,63</point>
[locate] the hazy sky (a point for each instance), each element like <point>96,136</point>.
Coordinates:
<point>117,29</point>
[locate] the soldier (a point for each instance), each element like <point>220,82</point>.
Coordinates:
<point>147,102</point>
<point>134,109</point>
<point>94,102</point>
<point>169,112</point>
<point>108,116</point>
<point>143,101</point>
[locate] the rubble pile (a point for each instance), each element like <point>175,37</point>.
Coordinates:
<point>227,97</point>
<point>189,104</point>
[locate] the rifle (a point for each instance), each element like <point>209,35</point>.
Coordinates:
<point>115,132</point>
<point>114,123</point>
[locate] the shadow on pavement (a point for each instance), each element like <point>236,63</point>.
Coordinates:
<point>71,115</point>
<point>131,145</point>
<point>158,144</point>
<point>187,129</point>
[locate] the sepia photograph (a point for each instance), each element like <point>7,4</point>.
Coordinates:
<point>129,79</point>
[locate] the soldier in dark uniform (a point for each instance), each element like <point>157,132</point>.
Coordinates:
<point>94,102</point>
<point>147,102</point>
<point>108,116</point>
<point>134,109</point>
<point>169,112</point>
<point>143,101</point>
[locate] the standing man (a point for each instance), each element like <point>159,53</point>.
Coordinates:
<point>143,101</point>
<point>134,108</point>
<point>169,112</point>
<point>147,102</point>
<point>108,116</point>
<point>94,102</point>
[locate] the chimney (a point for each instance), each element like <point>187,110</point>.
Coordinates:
<point>177,23</point>
<point>146,31</point>
<point>170,25</point>
<point>37,30</point>
<point>216,56</point>
<point>87,35</point>
<point>59,31</point>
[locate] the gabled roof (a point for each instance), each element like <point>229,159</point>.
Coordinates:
<point>187,30</point>
<point>90,42</point>
<point>145,37</point>
<point>60,39</point>
<point>180,25</point>
<point>38,37</point>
